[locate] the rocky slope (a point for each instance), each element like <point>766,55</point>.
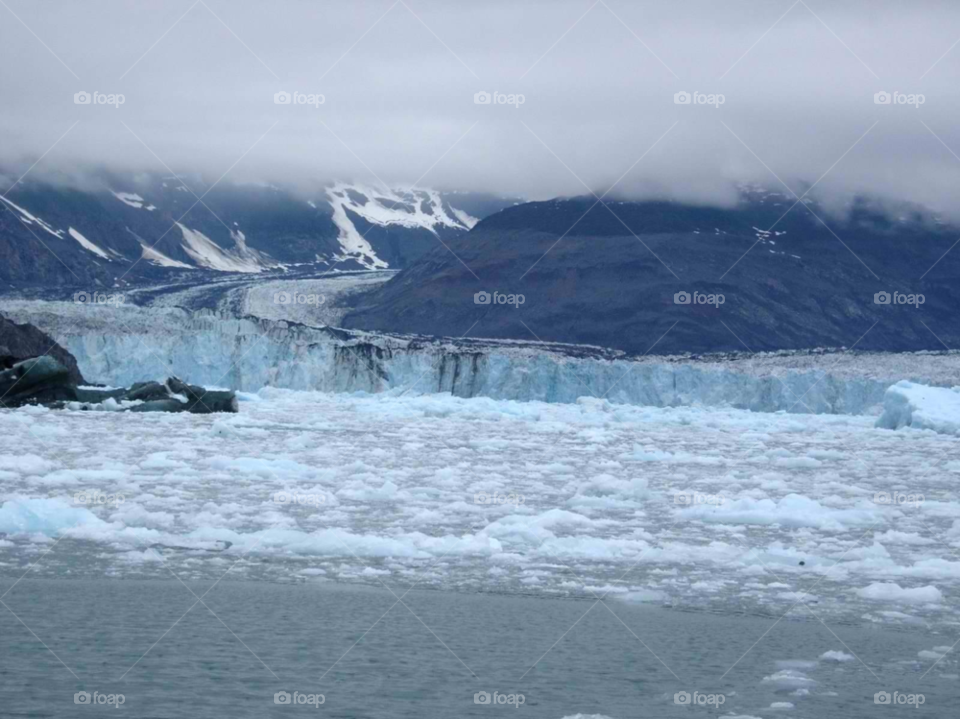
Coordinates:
<point>586,278</point>
<point>114,230</point>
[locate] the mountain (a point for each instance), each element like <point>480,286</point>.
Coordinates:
<point>122,229</point>
<point>586,278</point>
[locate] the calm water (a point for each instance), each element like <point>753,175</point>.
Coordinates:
<point>138,639</point>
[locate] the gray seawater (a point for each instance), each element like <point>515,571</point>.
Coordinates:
<point>428,655</point>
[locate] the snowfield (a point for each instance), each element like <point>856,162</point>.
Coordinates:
<point>708,508</point>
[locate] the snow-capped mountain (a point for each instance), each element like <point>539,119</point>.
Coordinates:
<point>121,229</point>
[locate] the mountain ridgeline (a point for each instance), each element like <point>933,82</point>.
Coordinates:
<point>668,278</point>
<point>120,230</point>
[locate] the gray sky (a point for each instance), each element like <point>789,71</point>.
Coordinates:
<point>399,79</point>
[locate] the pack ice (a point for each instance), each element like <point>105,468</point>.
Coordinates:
<point>704,507</point>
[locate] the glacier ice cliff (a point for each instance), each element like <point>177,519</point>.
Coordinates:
<point>118,345</point>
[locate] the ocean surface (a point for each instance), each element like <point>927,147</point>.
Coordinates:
<point>233,648</point>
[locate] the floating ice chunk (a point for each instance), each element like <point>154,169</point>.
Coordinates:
<point>836,656</point>
<point>794,510</point>
<point>28,464</point>
<point>135,557</point>
<point>798,462</point>
<point>892,536</point>
<point>789,680</point>
<point>915,405</point>
<point>892,592</point>
<point>796,664</point>
<point>644,595</point>
<point>45,516</point>
<point>260,466</point>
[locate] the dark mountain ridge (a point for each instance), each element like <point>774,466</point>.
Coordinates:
<point>608,274</point>
<point>120,229</point>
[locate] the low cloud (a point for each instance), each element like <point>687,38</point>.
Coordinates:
<point>399,81</point>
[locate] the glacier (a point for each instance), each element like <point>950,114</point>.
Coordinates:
<point>119,345</point>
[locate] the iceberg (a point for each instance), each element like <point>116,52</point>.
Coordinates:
<point>906,404</point>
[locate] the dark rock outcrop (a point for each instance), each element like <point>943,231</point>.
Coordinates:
<point>41,380</point>
<point>174,395</point>
<point>20,342</point>
<point>44,381</point>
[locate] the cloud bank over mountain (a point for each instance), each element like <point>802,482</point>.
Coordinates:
<point>399,81</point>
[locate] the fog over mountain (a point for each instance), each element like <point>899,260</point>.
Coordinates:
<point>598,80</point>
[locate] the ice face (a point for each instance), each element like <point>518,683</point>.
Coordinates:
<point>125,344</point>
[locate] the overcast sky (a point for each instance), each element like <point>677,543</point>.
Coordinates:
<point>399,80</point>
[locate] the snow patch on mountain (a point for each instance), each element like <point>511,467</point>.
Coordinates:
<point>466,218</point>
<point>158,258</point>
<point>207,253</point>
<point>87,244</point>
<point>30,219</point>
<point>410,208</point>
<point>132,199</point>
